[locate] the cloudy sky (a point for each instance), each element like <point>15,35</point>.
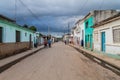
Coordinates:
<point>55,14</point>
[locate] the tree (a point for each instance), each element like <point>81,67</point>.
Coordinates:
<point>25,26</point>
<point>33,28</point>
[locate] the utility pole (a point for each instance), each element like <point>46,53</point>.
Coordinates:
<point>15,9</point>
<point>68,27</point>
<point>48,30</point>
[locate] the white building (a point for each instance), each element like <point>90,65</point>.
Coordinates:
<point>107,35</point>
<point>67,38</point>
<point>78,32</point>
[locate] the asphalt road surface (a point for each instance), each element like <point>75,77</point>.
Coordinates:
<point>61,62</point>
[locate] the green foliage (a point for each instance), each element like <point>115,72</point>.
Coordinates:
<point>25,26</point>
<point>33,28</point>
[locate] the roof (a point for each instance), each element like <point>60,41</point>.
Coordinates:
<point>108,20</point>
<point>12,22</point>
<point>4,17</point>
<point>92,13</point>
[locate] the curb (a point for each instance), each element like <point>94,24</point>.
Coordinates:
<point>10,64</point>
<point>105,64</point>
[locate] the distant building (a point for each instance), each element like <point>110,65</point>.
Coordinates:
<point>38,37</point>
<point>67,38</point>
<point>107,35</point>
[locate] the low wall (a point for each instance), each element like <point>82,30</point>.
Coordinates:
<point>7,49</point>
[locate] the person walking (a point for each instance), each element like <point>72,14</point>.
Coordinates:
<point>82,43</point>
<point>65,42</point>
<point>45,42</point>
<point>49,43</point>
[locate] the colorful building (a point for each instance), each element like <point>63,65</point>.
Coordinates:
<point>14,38</point>
<point>107,35</point>
<point>88,32</point>
<point>92,18</point>
<point>78,32</point>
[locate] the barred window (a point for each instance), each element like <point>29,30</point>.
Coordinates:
<point>116,35</point>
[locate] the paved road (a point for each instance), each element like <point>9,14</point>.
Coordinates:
<point>60,62</point>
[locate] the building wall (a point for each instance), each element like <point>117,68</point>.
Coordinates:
<point>77,35</point>
<point>9,33</point>
<point>100,15</point>
<point>89,32</point>
<point>7,49</point>
<point>110,45</point>
<point>82,32</point>
<point>9,39</point>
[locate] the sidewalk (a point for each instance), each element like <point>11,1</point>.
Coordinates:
<point>8,62</point>
<point>106,58</point>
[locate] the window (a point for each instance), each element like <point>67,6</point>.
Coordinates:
<point>91,26</point>
<point>25,34</point>
<point>1,34</point>
<point>88,38</point>
<point>17,36</point>
<point>116,35</point>
<point>96,37</point>
<point>86,24</point>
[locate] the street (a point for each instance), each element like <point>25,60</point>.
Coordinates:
<point>60,62</point>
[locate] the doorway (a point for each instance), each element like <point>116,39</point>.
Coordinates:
<point>30,41</point>
<point>1,34</point>
<point>103,41</point>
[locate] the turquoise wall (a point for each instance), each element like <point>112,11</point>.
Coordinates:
<point>9,32</point>
<point>89,32</point>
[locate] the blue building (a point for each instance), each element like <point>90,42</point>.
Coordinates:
<point>14,38</point>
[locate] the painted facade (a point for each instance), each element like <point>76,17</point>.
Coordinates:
<point>79,31</point>
<point>9,32</point>
<point>67,38</point>
<point>107,35</point>
<point>93,18</point>
<point>88,32</point>
<point>14,37</point>
<point>77,34</point>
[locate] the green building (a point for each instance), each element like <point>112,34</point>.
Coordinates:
<point>93,18</point>
<point>88,32</point>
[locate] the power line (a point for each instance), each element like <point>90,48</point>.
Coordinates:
<point>100,7</point>
<point>15,10</point>
<point>83,6</point>
<point>28,9</point>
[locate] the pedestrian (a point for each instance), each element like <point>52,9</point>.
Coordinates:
<point>49,43</point>
<point>65,42</point>
<point>82,43</point>
<point>45,42</point>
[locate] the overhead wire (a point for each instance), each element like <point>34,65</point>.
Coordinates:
<point>15,10</point>
<point>33,14</point>
<point>101,5</point>
<point>83,6</point>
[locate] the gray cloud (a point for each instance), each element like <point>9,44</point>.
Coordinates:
<point>53,13</point>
